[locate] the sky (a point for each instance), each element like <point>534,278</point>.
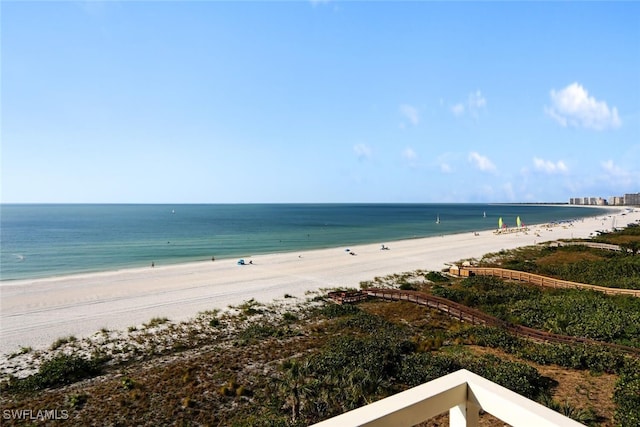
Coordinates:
<point>318,101</point>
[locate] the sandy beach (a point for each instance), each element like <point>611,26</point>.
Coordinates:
<point>37,312</point>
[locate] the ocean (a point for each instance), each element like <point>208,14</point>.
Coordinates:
<point>55,239</point>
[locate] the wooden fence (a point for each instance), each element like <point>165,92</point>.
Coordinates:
<point>595,245</point>
<point>549,282</point>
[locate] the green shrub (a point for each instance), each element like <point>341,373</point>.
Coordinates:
<point>406,286</point>
<point>156,321</point>
<point>289,317</point>
<point>77,401</point>
<point>128,383</point>
<point>436,277</point>
<point>338,310</point>
<point>627,395</point>
<point>62,341</point>
<point>259,331</point>
<point>61,370</point>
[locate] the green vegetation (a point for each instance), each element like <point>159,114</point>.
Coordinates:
<point>583,357</point>
<point>62,341</point>
<point>436,277</point>
<point>327,359</point>
<point>615,269</point>
<point>627,395</point>
<point>374,359</point>
<point>258,331</point>
<point>572,312</point>
<point>627,238</point>
<point>256,365</point>
<point>59,371</point>
<point>156,321</point>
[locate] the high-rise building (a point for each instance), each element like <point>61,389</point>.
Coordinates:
<point>632,199</point>
<point>616,200</point>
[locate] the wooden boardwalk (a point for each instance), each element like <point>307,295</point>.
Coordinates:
<point>545,281</point>
<point>477,317</point>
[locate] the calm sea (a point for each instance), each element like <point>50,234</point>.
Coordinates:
<point>49,240</point>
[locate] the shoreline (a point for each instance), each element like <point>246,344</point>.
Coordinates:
<point>36,312</point>
<point>142,260</point>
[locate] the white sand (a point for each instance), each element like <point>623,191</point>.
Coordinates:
<point>37,312</point>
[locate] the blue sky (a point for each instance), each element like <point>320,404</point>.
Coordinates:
<point>322,101</point>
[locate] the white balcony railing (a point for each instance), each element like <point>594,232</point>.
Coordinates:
<point>463,394</point>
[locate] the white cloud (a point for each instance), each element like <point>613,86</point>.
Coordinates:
<point>458,109</point>
<point>444,161</point>
<point>620,177</point>
<point>481,162</point>
<point>549,167</point>
<point>611,168</point>
<point>362,151</point>
<point>508,191</point>
<point>476,102</point>
<point>409,154</point>
<point>572,106</point>
<point>410,113</point>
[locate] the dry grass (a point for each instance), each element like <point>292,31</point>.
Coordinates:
<point>568,257</point>
<point>622,239</point>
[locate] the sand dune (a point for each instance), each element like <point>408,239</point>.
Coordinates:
<point>37,312</point>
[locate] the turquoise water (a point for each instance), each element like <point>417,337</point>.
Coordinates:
<point>49,240</point>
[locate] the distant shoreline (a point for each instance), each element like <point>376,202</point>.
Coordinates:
<point>198,233</point>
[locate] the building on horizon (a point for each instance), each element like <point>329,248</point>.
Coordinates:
<point>590,201</point>
<point>616,200</point>
<point>632,199</point>
<point>629,199</point>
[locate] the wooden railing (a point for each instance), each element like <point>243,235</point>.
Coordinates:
<point>545,281</point>
<point>595,245</point>
<point>347,297</point>
<point>477,317</point>
<point>462,393</point>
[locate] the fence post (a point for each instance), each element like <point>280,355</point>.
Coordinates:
<point>465,414</point>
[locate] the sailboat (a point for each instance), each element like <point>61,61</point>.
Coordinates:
<point>518,222</point>
<point>438,219</point>
<point>500,223</point>
<point>484,214</point>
